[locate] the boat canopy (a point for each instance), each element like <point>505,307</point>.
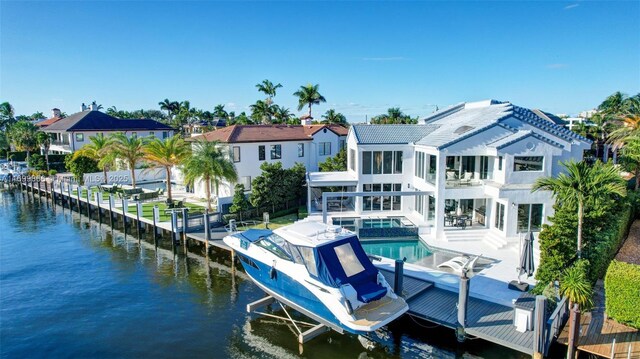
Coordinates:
<point>253,235</point>
<point>345,262</point>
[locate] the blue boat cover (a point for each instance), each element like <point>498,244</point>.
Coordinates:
<point>331,273</point>
<point>253,235</point>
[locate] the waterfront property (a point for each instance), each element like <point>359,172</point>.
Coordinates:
<point>69,134</point>
<point>251,145</point>
<point>474,164</point>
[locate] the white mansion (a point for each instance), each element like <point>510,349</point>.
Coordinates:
<point>474,162</point>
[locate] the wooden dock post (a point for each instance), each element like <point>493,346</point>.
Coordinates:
<point>138,209</point>
<point>39,189</point>
<point>574,331</point>
<point>156,217</point>
<point>78,189</point>
<point>111,210</point>
<point>540,311</point>
<point>399,277</point>
<point>125,206</point>
<point>69,198</point>
<point>463,306</point>
<point>207,231</point>
<point>185,227</point>
<point>174,230</point>
<point>88,203</point>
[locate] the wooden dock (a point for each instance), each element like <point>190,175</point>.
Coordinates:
<point>602,336</point>
<point>486,320</point>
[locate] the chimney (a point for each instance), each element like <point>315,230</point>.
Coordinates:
<point>83,107</point>
<point>93,106</point>
<point>55,112</point>
<point>306,120</point>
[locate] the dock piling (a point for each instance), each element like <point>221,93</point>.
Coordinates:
<point>463,304</point>
<point>399,276</point>
<point>111,210</point>
<point>207,231</point>
<point>138,210</point>
<point>156,218</point>
<point>538,327</point>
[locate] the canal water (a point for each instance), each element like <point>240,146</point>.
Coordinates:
<point>72,288</point>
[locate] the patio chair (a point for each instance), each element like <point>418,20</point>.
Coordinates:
<point>458,264</point>
<point>467,178</point>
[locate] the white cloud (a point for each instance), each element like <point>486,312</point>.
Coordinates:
<point>557,66</point>
<point>572,6</point>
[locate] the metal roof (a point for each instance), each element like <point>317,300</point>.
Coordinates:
<point>391,134</point>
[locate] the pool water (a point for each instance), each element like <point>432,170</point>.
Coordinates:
<point>413,249</point>
<point>381,223</point>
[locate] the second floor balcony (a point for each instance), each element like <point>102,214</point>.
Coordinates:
<point>455,179</point>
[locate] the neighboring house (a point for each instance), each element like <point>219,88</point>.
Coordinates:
<point>251,145</point>
<point>572,121</point>
<point>72,132</point>
<point>474,161</point>
<point>55,117</point>
<point>200,127</point>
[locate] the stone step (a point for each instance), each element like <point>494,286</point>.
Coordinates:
<point>495,240</point>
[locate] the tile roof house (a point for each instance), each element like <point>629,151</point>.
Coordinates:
<point>56,116</point>
<point>72,132</point>
<point>479,159</point>
<point>251,145</point>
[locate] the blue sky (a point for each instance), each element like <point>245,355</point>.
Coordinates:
<point>562,57</point>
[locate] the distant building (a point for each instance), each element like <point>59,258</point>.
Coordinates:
<point>71,133</point>
<point>55,117</point>
<point>251,145</point>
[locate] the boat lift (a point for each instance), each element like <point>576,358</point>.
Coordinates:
<point>303,337</point>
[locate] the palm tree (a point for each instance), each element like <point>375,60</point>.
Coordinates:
<point>282,114</point>
<point>331,116</point>
<point>269,89</point>
<point>219,112</point>
<point>99,149</point>
<point>44,139</point>
<point>210,164</point>
<point>167,153</point>
<point>7,115</point>
<point>23,135</point>
<point>575,286</point>
<point>307,96</point>
<point>170,106</point>
<point>130,150</point>
<point>583,184</point>
<point>261,111</point>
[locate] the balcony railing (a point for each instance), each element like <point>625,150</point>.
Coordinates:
<point>60,143</point>
<point>453,180</point>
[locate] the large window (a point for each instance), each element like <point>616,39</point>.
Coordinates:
<point>382,203</point>
<point>324,149</point>
<point>529,217</point>
<point>366,162</point>
<point>500,163</point>
<point>300,149</point>
<point>352,159</point>
<point>381,162</point>
<point>484,167</point>
<point>236,153</point>
<point>342,144</point>
<point>433,164</point>
<point>419,165</point>
<point>261,153</point>
<point>532,163</point>
<point>499,222</point>
<point>79,137</point>
<point>276,152</point>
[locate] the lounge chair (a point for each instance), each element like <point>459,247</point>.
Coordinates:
<point>458,264</point>
<point>467,178</point>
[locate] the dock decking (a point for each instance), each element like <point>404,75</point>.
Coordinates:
<point>486,320</point>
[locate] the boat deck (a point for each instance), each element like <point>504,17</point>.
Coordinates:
<point>486,320</point>
<point>375,312</point>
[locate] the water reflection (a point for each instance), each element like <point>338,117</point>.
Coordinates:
<point>66,276</point>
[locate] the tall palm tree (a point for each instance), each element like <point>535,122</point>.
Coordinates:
<point>220,112</point>
<point>307,96</point>
<point>167,153</point>
<point>210,164</point>
<point>261,111</point>
<point>282,114</point>
<point>170,106</point>
<point>44,139</point>
<point>23,135</point>
<point>269,89</point>
<point>582,184</point>
<point>331,116</point>
<point>130,150</point>
<point>99,149</point>
<point>7,115</point>
<point>575,285</point>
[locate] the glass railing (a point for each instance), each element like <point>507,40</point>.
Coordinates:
<point>468,179</point>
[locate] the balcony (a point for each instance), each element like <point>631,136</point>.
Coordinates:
<point>453,179</point>
<point>60,143</point>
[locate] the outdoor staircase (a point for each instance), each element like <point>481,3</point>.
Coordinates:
<point>495,240</point>
<point>465,235</point>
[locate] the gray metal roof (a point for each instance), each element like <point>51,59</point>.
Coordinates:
<point>449,126</point>
<point>391,134</point>
<point>464,121</point>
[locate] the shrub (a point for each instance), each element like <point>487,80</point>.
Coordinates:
<point>37,162</point>
<point>53,172</point>
<point>18,156</point>
<point>622,294</point>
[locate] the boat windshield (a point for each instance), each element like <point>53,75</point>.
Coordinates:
<point>350,263</point>
<point>274,244</point>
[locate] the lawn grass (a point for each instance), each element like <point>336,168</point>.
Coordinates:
<point>284,220</point>
<point>83,194</point>
<point>147,210</point>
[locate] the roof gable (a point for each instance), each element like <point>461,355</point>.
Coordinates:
<point>98,121</point>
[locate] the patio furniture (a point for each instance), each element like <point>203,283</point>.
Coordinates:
<point>458,264</point>
<point>466,180</point>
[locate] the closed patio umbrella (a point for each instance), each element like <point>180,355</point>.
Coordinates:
<point>526,257</point>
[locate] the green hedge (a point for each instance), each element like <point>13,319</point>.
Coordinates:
<point>609,241</point>
<point>622,286</point>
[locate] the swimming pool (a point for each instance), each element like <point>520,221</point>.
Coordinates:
<point>414,250</point>
<point>378,227</point>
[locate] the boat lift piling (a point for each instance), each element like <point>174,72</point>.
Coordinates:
<point>303,337</point>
